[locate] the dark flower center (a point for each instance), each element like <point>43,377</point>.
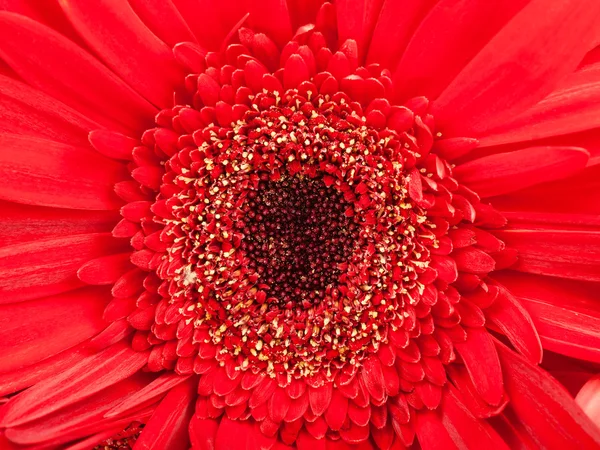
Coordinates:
<point>296,235</point>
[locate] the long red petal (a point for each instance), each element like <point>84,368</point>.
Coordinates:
<point>46,267</point>
<point>47,173</point>
<point>394,27</point>
<point>432,433</point>
<point>577,194</point>
<point>147,395</point>
<point>168,426</point>
<point>27,111</point>
<point>62,69</point>
<point>483,365</point>
<point>23,223</point>
<point>216,21</point>
<point>465,430</point>
<point>163,18</point>
<point>117,34</point>
<point>28,376</point>
<point>37,329</point>
<point>80,419</point>
<point>541,221</point>
<point>565,331</point>
<point>519,66</point>
<point>589,399</point>
<point>515,322</point>
<point>544,408</point>
<point>356,20</point>
<point>203,433</point>
<point>567,254</point>
<point>571,108</point>
<point>82,380</point>
<point>447,39</point>
<point>272,18</point>
<point>112,144</point>
<point>507,172</point>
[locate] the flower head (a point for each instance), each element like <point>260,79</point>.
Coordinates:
<point>355,225</point>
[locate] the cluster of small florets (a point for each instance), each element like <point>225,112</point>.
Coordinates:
<point>255,286</point>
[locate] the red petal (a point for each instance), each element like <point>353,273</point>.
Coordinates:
<point>203,433</point>
<point>372,376</point>
<point>588,399</point>
<point>336,413</point>
<point>28,376</point>
<point>519,66</point>
<point>482,363</point>
<point>165,21</point>
<point>147,395</point>
<point>23,223</point>
<point>539,221</point>
<point>262,392</point>
<point>34,330</point>
<point>453,148</point>
<point>279,405</point>
<point>117,34</point>
<point>473,260</point>
<point>543,406</point>
<point>578,252</point>
<point>306,441</point>
<point>237,434</point>
<point>447,39</point>
<point>395,26</point>
<point>216,21</point>
<point>320,398</point>
<point>49,61</point>
<point>507,172</point>
<point>297,408</point>
<point>579,194</point>
<point>47,173</point>
<point>465,430</point>
<point>356,20</point>
<point>565,331</point>
<point>81,381</point>
<point>354,434</point>
<point>105,270</point>
<point>148,176</point>
<point>572,107</point>
<point>168,426</point>
<point>48,267</point>
<point>129,284</point>
<point>384,437</point>
<point>429,393</point>
<point>469,395</point>
<point>295,72</point>
<point>514,321</point>
<point>112,144</point>
<point>272,18</point>
<point>27,111</point>
<point>113,333</point>
<point>80,419</point>
<point>432,434</point>
<point>360,416</point>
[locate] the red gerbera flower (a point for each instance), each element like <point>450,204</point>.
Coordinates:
<point>355,224</point>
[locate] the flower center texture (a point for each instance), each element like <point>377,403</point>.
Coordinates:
<point>292,240</point>
<point>296,237</point>
<point>300,236</point>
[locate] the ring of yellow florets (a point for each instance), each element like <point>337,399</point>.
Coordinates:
<point>232,307</point>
